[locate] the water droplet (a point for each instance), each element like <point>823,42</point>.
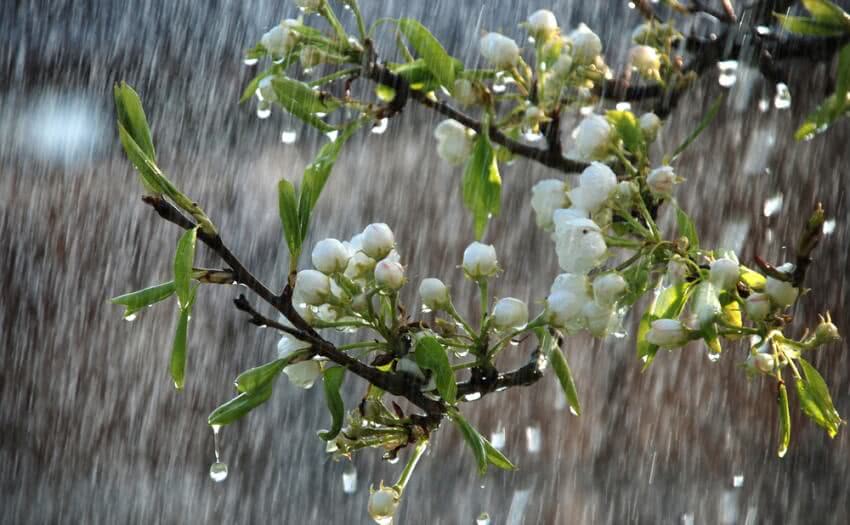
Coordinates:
<point>264,110</point>
<point>332,135</point>
<point>573,411</point>
<point>584,111</point>
<point>623,106</point>
<point>349,479</point>
<point>738,480</point>
<point>782,100</point>
<point>497,438</point>
<point>531,40</point>
<point>218,471</point>
<point>514,342</point>
<point>728,73</point>
<point>713,356</point>
<point>482,519</point>
<point>130,318</point>
<point>773,204</point>
<point>499,88</point>
<point>381,126</point>
<point>532,136</point>
<point>688,518</point>
<point>393,460</point>
<point>533,438</point>
<point>288,136</point>
<point>472,397</point>
<point>763,30</point>
<point>829,226</point>
<point>250,61</point>
<point>764,105</point>
<point>425,310</point>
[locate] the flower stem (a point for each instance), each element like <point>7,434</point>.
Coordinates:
<point>411,464</point>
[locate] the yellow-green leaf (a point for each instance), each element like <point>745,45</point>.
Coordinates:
<point>184,258</point>
<point>440,63</point>
<point>482,185</point>
<point>784,421</point>
<point>815,400</point>
<point>667,305</point>
<point>131,115</point>
<point>138,300</point>
<point>431,355</point>
<point>239,406</point>
<point>332,379</point>
<point>803,25</point>
<point>178,348</point>
<point>287,203</point>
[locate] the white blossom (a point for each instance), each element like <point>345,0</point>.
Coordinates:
<point>312,286</point>
<point>546,197</point>
<point>661,181</point>
<point>649,124</point>
<point>266,90</point>
<point>454,141</point>
<point>596,183</point>
<point>359,266</point>
<point>389,274</point>
<point>579,244</point>
<point>509,313</point>
<point>724,273</point>
<point>757,306</point>
<point>281,38</point>
<point>542,23</point>
<point>479,260</point>
<point>593,137</point>
<point>706,305</point>
<point>330,256</point>
<point>599,318</point>
<point>562,65</point>
<point>563,307</point>
<point>500,51</point>
<point>377,240</point>
<point>781,292</point>
<point>763,362</point>
<point>667,333</point>
<point>434,293</point>
<point>645,59</point>
<point>304,373</point>
<point>608,287</point>
<point>586,45</point>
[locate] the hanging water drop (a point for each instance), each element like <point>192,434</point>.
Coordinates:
<point>349,479</point>
<point>728,73</point>
<point>250,61</point>
<point>623,106</point>
<point>131,317</point>
<point>713,356</point>
<point>472,397</point>
<point>782,100</point>
<point>288,136</point>
<point>218,471</point>
<point>738,481</point>
<point>482,519</point>
<point>264,110</point>
<point>764,105</point>
<point>829,226</point>
<point>573,411</point>
<point>381,126</point>
<point>497,438</point>
<point>773,205</point>
<point>533,438</point>
<point>332,135</point>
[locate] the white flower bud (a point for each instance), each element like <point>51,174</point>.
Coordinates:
<point>312,286</point>
<point>359,266</point>
<point>596,183</point>
<point>312,56</point>
<point>677,270</point>
<point>464,92</point>
<point>586,45</point>
<point>266,90</point>
<point>454,141</point>
<point>289,344</point>
<point>661,181</point>
<point>593,137</point>
<point>757,306</point>
<point>383,504</point>
<point>562,66</point>
<point>724,273</point>
<point>479,260</point>
<point>377,240</point>
<point>706,304</point>
<point>667,333</point>
<point>579,244</point>
<point>546,197</point>
<point>563,307</point>
<point>303,374</point>
<point>625,191</point>
<point>330,256</point>
<point>434,293</point>
<point>762,362</point>
<point>649,125</point>
<point>608,287</point>
<point>280,39</point>
<point>645,59</point>
<point>574,283</point>
<point>599,318</point>
<point>781,292</point>
<point>641,33</point>
<point>389,274</point>
<point>309,6</point>
<point>499,50</point>
<point>542,23</point>
<point>509,313</point>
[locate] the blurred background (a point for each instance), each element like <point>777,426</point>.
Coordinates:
<point>91,430</point>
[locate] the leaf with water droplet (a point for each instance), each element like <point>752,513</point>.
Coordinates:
<point>784,421</point>
<point>804,25</point>
<point>431,355</point>
<point>256,378</point>
<point>667,305</point>
<point>495,457</point>
<point>565,377</point>
<point>815,400</point>
<point>141,299</point>
<point>239,406</point>
<point>184,259</point>
<point>303,102</point>
<point>687,229</point>
<point>332,380</point>
<point>482,184</point>
<point>833,106</point>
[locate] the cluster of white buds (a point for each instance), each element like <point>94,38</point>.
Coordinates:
<point>574,302</point>
<point>661,181</point>
<point>454,141</point>
<point>546,197</point>
<point>500,51</point>
<point>645,60</point>
<point>280,39</point>
<point>593,138</point>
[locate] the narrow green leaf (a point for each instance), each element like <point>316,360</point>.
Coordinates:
<point>131,115</point>
<point>178,348</point>
<point>834,106</point>
<point>255,378</point>
<point>842,82</point>
<point>565,377</point>
<point>287,202</point>
<point>815,400</point>
<point>706,120</point>
<point>803,25</point>
<point>495,457</point>
<point>784,421</point>
<point>239,406</point>
<point>828,13</point>
<point>687,228</point>
<point>184,258</point>
<point>429,48</point>
<point>417,74</point>
<point>148,171</point>
<point>431,355</point>
<point>482,185</point>
<point>332,379</point>
<point>628,129</point>
<point>317,173</point>
<point>138,300</point>
<point>669,304</point>
<point>303,102</point>
<point>473,439</point>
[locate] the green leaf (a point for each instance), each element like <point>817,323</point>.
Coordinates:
<point>303,102</point>
<point>417,74</point>
<point>706,120</point>
<point>637,276</point>
<point>482,185</point>
<point>429,48</point>
<point>184,258</point>
<point>803,25</point>
<point>472,438</point>
<point>687,228</point>
<point>784,421</point>
<point>287,203</point>
<point>141,299</point>
<point>255,378</point>
<point>815,400</point>
<point>239,406</point>
<point>431,355</point>
<point>667,305</point>
<point>828,13</point>
<point>152,177</point>
<point>628,129</point>
<point>565,377</point>
<point>495,457</point>
<point>833,106</point>
<point>316,175</point>
<point>131,115</point>
<point>178,348</point>
<point>332,380</point>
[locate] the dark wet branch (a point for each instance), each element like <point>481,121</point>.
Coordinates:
<point>489,380</point>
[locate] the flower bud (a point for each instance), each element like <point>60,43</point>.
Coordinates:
<point>645,59</point>
<point>383,504</point>
<point>780,292</point>
<point>330,256</point>
<point>724,273</point>
<point>266,90</point>
<point>312,56</point>
<point>280,39</point>
<point>649,125</point>
<point>586,45</point>
<point>762,362</point>
<point>509,313</point>
<point>304,373</point>
<point>607,288</point>
<point>534,116</point>
<point>574,283</point>
<point>464,92</point>
<point>434,293</point>
<point>377,240</point>
<point>479,260</point>
<point>599,318</point>
<point>757,306</point>
<point>389,274</point>
<point>641,33</point>
<point>313,286</point>
<point>454,141</point>
<point>661,181</point>
<point>667,333</point>
<point>625,191</point>
<point>579,244</point>
<point>677,270</point>
<point>563,307</point>
<point>562,66</point>
<point>706,305</point>
<point>359,266</point>
<point>542,23</point>
<point>596,183</point>
<point>593,137</point>
<point>499,50</point>
<point>546,197</point>
<point>826,332</point>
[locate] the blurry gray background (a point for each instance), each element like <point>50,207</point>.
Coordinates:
<point>91,430</point>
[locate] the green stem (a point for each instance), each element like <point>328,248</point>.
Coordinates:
<point>622,243</point>
<point>456,316</point>
<point>361,27</point>
<point>411,464</point>
<point>333,76</point>
<point>361,344</point>
<point>485,303</point>
<point>328,13</point>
